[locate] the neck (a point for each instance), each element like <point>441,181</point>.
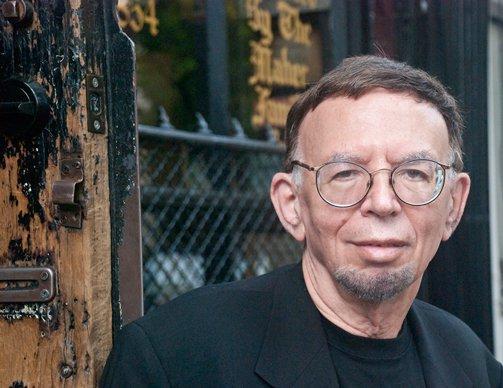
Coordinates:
<point>368,319</point>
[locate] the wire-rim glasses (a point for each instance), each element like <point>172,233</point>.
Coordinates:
<point>342,184</point>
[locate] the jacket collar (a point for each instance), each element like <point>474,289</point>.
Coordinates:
<point>440,367</point>
<point>295,351</point>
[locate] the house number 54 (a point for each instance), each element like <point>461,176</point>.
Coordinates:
<point>135,16</point>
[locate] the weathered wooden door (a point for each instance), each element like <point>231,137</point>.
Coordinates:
<point>68,189</point>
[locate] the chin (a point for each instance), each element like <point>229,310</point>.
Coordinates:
<point>375,284</point>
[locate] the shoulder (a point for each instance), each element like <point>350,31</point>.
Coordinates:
<point>453,331</point>
<point>446,324</point>
<point>199,336</point>
<point>216,302</point>
<point>212,328</point>
<point>224,316</point>
<point>458,340</point>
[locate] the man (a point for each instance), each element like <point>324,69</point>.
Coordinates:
<point>373,183</point>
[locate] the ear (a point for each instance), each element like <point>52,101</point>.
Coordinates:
<point>284,197</point>
<point>457,201</point>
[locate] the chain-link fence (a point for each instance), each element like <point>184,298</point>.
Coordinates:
<point>207,216</point>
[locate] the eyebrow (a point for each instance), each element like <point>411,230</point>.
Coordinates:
<point>347,157</point>
<point>423,154</point>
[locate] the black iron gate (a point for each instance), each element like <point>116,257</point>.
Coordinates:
<point>207,216</point>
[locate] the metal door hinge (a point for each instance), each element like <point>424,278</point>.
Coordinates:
<point>27,284</point>
<point>66,193</point>
<point>96,114</point>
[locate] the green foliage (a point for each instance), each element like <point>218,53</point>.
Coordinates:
<point>169,66</point>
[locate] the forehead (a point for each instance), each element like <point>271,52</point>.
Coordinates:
<point>378,125</point>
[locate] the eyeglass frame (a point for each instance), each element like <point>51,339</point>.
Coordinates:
<point>316,169</point>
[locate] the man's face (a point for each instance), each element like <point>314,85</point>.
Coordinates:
<point>380,246</point>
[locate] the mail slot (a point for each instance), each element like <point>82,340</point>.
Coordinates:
<point>27,284</point>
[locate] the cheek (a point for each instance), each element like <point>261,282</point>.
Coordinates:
<point>428,225</point>
<point>329,222</point>
<point>324,226</point>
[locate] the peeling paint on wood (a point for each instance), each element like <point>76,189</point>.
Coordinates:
<point>12,312</point>
<point>18,384</point>
<point>75,328</point>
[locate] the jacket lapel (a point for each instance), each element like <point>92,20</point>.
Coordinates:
<point>295,351</point>
<point>440,367</point>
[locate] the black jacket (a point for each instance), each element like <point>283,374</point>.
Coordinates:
<point>267,331</point>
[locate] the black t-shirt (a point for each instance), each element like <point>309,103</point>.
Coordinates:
<point>369,362</point>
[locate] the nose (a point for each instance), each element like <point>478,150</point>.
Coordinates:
<point>381,200</point>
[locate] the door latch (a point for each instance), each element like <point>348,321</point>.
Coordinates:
<point>96,115</point>
<point>27,284</point>
<point>66,193</point>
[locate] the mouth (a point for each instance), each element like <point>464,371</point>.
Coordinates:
<point>380,250</point>
<point>389,243</point>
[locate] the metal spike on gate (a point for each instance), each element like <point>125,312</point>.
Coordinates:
<point>238,128</point>
<point>202,124</point>
<point>163,119</point>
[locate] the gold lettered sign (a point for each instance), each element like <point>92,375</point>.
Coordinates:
<point>136,16</point>
<point>273,65</point>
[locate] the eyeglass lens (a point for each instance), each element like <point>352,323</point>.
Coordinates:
<point>417,182</point>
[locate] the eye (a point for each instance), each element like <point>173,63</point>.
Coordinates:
<point>345,175</point>
<point>414,174</point>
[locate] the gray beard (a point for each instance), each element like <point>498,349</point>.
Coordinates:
<point>376,287</point>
